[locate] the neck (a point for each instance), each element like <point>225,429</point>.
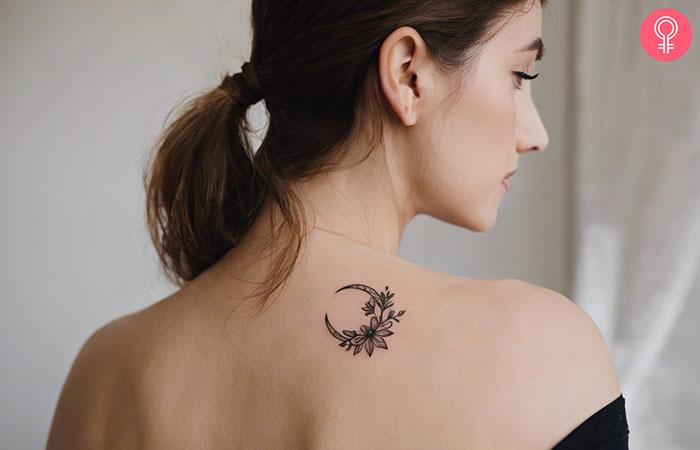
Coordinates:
<point>368,203</point>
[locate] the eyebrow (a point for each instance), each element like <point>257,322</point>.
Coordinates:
<point>535,44</point>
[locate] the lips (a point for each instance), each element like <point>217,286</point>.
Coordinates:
<point>505,182</point>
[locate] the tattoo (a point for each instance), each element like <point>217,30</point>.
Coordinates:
<point>372,335</point>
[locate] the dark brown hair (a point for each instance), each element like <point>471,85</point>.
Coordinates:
<point>315,63</point>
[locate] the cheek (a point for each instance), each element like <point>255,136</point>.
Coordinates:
<point>462,155</point>
<point>480,137</point>
<point>470,148</point>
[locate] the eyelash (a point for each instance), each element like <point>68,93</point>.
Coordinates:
<point>523,75</point>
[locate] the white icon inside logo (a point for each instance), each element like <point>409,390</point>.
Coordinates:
<point>665,46</point>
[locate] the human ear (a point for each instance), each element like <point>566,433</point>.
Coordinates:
<point>403,72</point>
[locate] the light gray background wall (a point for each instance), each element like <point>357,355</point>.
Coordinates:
<point>85,87</point>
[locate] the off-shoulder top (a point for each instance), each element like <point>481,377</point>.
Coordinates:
<point>605,430</point>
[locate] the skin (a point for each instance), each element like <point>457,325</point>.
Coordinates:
<point>471,363</point>
<point>445,154</point>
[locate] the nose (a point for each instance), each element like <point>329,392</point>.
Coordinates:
<point>532,135</point>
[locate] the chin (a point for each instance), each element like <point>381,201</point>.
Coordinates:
<point>482,225</point>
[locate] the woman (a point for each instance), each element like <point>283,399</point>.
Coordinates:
<point>297,326</point>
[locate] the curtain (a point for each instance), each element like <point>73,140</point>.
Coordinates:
<point>635,140</point>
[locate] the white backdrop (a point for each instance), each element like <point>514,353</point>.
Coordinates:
<point>637,147</point>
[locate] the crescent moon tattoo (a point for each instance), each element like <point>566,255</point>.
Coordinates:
<point>372,335</point>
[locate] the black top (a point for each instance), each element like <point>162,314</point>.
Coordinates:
<point>605,430</point>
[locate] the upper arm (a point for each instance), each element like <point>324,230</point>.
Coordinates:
<point>77,418</point>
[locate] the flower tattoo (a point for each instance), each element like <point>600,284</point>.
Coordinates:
<point>372,335</point>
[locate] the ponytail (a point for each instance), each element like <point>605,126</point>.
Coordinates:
<point>203,189</point>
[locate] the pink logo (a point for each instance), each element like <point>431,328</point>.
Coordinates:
<point>666,34</point>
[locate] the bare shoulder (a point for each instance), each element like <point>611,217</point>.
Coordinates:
<point>90,387</point>
<point>537,351</point>
<point>543,321</point>
<point>557,322</point>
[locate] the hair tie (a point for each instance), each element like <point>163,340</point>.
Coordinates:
<point>243,86</point>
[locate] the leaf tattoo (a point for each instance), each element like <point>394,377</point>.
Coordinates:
<point>372,335</point>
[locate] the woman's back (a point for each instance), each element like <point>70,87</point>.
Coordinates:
<point>470,364</point>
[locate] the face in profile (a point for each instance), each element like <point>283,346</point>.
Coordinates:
<point>476,137</point>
